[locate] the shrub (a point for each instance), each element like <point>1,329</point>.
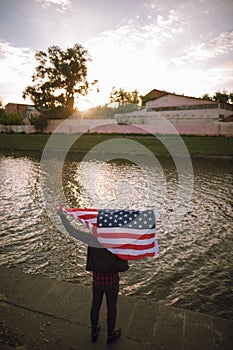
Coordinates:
<point>2,112</point>
<point>10,118</point>
<point>39,123</point>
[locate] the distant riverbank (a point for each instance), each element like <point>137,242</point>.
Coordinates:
<point>196,145</point>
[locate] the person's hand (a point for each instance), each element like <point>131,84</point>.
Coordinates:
<point>60,212</point>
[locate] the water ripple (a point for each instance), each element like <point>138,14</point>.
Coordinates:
<point>194,267</point>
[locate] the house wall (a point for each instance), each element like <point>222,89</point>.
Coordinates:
<point>173,100</point>
<point>194,116</point>
<point>16,108</point>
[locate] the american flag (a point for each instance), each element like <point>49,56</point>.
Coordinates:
<point>129,234</point>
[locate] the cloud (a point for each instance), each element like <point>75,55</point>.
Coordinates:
<point>220,45</point>
<point>16,67</point>
<point>134,34</point>
<point>157,54</point>
<point>208,65</point>
<point>14,61</point>
<point>62,5</point>
<point>171,45</point>
<point>130,55</point>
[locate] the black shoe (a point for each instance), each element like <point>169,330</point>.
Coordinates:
<point>95,335</point>
<point>116,335</point>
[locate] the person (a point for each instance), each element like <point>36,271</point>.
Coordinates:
<point>105,268</point>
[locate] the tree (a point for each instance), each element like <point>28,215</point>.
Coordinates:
<point>120,96</point>
<point>221,97</point>
<point>2,114</point>
<point>2,110</point>
<point>135,97</point>
<point>231,97</point>
<point>59,77</point>
<point>99,112</point>
<point>39,123</point>
<point>207,97</point>
<point>123,97</point>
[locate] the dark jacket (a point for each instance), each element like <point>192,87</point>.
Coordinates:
<point>99,259</point>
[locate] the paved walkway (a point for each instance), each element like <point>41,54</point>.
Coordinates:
<point>37,312</point>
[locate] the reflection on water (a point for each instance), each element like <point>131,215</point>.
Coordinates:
<point>114,185</point>
<point>194,267</point>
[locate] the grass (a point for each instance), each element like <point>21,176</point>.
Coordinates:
<point>196,145</point>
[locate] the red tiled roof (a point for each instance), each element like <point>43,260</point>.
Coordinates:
<point>153,94</point>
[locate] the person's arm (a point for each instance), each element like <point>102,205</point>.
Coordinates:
<point>85,237</point>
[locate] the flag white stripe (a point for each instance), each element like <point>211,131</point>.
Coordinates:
<point>132,251</point>
<point>77,216</point>
<point>122,241</point>
<point>125,230</point>
<point>80,213</point>
<point>92,221</point>
<point>88,217</point>
<point>81,217</point>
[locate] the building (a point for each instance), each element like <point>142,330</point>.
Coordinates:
<point>185,106</point>
<point>189,115</point>
<point>24,109</point>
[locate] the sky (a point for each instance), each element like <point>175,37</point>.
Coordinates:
<point>180,46</point>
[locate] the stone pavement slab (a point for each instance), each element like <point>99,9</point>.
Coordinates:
<point>169,328</point>
<point>41,313</point>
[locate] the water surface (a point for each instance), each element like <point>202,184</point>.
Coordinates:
<point>194,267</point>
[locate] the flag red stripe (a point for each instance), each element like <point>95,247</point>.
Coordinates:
<point>89,217</point>
<point>74,210</point>
<point>129,246</point>
<point>134,257</point>
<point>113,235</point>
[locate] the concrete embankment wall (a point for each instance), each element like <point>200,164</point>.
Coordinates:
<point>182,126</point>
<point>43,313</point>
<point>185,126</point>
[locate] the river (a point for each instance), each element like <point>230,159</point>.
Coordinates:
<point>194,267</point>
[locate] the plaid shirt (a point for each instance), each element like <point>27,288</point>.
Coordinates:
<point>105,279</point>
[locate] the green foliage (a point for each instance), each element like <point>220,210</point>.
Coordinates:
<point>39,123</point>
<point>105,112</point>
<point>10,118</point>
<point>100,112</point>
<point>207,97</point>
<point>59,77</point>
<point>2,113</point>
<point>129,107</point>
<point>231,97</point>
<point>222,97</point>
<point>123,97</point>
